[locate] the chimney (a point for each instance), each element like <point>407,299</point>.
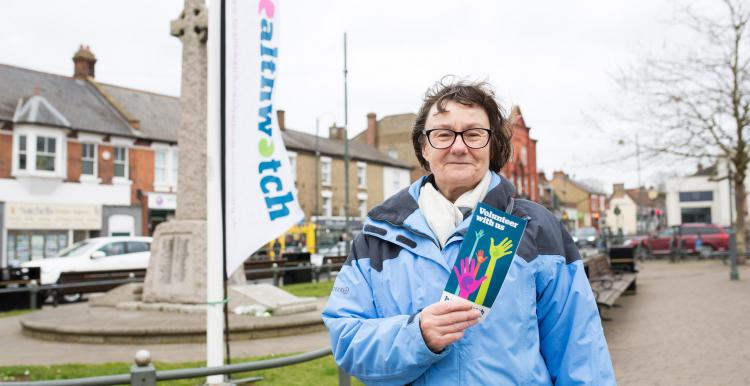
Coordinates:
<point>335,132</point>
<point>280,117</point>
<point>372,130</point>
<point>618,190</point>
<point>83,63</point>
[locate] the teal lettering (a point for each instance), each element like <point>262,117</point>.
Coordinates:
<point>266,165</point>
<point>266,30</point>
<point>265,115</point>
<point>268,180</point>
<point>276,201</point>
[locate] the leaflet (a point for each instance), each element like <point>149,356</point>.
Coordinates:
<point>484,257</point>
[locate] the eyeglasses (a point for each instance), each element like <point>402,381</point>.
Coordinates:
<point>444,138</point>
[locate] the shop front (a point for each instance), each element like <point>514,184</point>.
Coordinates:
<point>161,207</point>
<point>37,231</point>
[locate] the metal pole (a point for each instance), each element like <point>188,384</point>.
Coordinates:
<point>346,151</point>
<point>143,372</point>
<point>733,274</point>
<point>317,181</point>
<point>344,378</point>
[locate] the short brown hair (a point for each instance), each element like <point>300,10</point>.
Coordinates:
<point>470,94</point>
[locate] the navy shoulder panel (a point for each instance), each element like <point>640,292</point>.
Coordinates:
<point>545,234</point>
<point>395,209</point>
<point>374,248</point>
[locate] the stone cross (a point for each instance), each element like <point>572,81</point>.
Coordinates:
<point>192,29</point>
<point>177,269</point>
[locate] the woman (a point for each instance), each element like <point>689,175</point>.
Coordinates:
<point>384,316</point>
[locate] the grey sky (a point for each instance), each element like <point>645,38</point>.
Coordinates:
<point>555,59</point>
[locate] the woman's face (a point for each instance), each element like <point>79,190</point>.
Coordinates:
<point>458,168</point>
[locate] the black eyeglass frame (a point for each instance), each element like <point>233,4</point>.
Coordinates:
<point>456,134</point>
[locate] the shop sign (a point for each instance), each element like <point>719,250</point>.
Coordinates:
<point>162,201</point>
<point>52,216</point>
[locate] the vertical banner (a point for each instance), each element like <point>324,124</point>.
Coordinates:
<point>261,201</point>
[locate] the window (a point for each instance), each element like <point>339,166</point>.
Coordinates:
<point>325,170</point>
<point>696,196</point>
<point>327,208</point>
<point>362,208</point>
<point>45,153</point>
<point>293,164</point>
<point>88,159</point>
<point>690,215</point>
<point>112,249</point>
<point>160,167</point>
<point>121,162</point>
<point>175,160</point>
<point>361,174</point>
<point>138,246</point>
<point>22,152</point>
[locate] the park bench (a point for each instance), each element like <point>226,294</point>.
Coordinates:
<point>611,277</point>
<point>93,281</point>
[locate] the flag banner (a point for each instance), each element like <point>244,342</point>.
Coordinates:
<point>484,257</point>
<point>260,197</point>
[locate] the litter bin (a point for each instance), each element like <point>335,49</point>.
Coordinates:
<point>14,278</point>
<point>296,260</point>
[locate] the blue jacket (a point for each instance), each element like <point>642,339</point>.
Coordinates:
<point>544,327</point>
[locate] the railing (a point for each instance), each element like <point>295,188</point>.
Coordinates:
<point>143,373</point>
<point>275,272</point>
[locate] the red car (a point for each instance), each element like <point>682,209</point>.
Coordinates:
<point>713,238</point>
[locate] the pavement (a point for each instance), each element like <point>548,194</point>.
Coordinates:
<point>687,324</point>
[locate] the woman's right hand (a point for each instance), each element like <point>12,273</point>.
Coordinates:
<point>444,322</point>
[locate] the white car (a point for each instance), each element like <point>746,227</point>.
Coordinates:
<point>96,254</point>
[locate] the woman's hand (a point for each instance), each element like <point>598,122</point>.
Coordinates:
<point>443,323</point>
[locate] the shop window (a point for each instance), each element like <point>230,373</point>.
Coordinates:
<point>29,245</point>
<point>88,159</point>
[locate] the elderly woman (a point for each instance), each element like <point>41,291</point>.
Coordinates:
<point>384,316</point>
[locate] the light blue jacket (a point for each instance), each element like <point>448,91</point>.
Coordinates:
<point>544,327</point>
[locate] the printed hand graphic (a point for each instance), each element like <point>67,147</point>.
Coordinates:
<point>480,259</point>
<point>500,250</point>
<point>466,281</point>
<point>497,251</point>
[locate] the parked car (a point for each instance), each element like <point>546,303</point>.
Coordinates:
<point>95,255</point>
<point>338,249</point>
<point>586,237</point>
<point>713,238</point>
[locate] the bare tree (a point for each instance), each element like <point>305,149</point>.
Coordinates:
<point>698,100</point>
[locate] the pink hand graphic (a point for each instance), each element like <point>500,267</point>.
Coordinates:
<point>466,282</point>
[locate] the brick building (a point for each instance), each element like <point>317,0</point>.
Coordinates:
<point>319,176</point>
<point>79,159</point>
<point>392,135</point>
<point>580,205</point>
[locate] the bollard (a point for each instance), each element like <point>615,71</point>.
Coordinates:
<point>344,378</point>
<point>33,293</point>
<point>275,270</point>
<point>733,274</point>
<point>316,273</point>
<point>131,277</point>
<point>143,373</point>
<point>328,268</point>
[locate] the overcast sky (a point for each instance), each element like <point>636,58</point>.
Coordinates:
<point>555,59</point>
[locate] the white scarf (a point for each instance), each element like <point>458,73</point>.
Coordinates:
<point>444,216</point>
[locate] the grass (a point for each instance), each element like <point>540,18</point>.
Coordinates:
<point>318,372</point>
<point>7,314</point>
<point>318,290</point>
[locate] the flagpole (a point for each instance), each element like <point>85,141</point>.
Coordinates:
<point>346,152</point>
<point>215,216</point>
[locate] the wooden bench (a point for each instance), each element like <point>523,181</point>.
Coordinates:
<point>607,283</point>
<point>90,282</point>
